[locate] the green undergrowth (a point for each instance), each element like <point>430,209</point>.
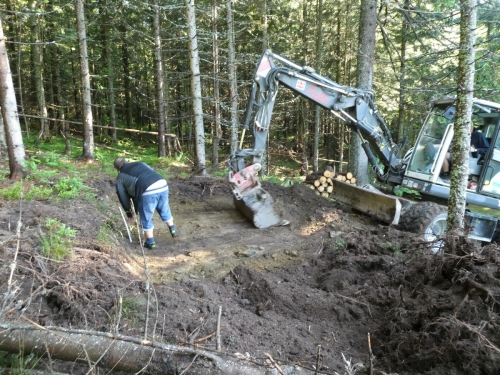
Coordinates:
<point>56,239</point>
<point>51,174</point>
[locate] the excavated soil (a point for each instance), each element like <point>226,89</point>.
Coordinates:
<point>310,293</point>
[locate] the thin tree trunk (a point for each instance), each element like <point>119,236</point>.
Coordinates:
<point>218,129</point>
<point>319,53</point>
<point>339,65</point>
<point>159,84</point>
<point>88,135</point>
<point>61,113</point>
<point>358,161</point>
<point>36,52</point>
<point>126,80</point>
<point>3,140</point>
<point>20,87</point>
<point>303,125</point>
<point>462,124</point>
<point>194,58</point>
<point>233,85</point>
<point>110,73</point>
<point>402,72</point>
<point>265,25</point>
<point>15,145</point>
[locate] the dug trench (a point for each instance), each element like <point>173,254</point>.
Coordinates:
<point>306,295</point>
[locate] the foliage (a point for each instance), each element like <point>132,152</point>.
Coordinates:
<point>13,192</point>
<point>18,364</point>
<point>38,193</point>
<point>69,187</point>
<point>131,308</point>
<point>221,172</point>
<point>56,239</point>
<point>402,190</point>
<point>338,244</point>
<point>272,178</point>
<point>107,234</point>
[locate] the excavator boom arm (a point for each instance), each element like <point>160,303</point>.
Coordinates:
<point>352,105</point>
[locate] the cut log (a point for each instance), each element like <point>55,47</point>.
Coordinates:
<point>353,180</point>
<point>327,173</point>
<point>325,194</point>
<point>322,179</point>
<point>314,176</point>
<point>321,188</point>
<point>349,175</point>
<point>329,189</point>
<point>317,183</point>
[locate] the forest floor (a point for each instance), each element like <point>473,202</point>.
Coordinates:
<point>308,294</point>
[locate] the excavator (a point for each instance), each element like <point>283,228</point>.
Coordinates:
<point>418,169</point>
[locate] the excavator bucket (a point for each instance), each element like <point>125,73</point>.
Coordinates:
<point>252,200</point>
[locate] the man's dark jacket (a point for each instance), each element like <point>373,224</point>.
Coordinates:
<point>132,181</point>
<point>478,140</point>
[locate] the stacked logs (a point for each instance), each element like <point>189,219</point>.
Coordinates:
<point>322,183</point>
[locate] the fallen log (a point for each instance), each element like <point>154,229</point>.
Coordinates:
<point>126,353</point>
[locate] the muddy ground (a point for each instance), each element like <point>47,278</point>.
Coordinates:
<point>307,294</point>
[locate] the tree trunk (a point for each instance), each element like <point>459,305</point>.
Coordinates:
<point>37,59</point>
<point>233,85</point>
<point>15,145</point>
<point>110,73</point>
<point>194,59</point>
<point>88,135</point>
<point>461,126</point>
<point>61,101</point>
<point>127,89</point>
<point>402,72</point>
<point>159,84</point>
<point>125,353</point>
<point>217,131</point>
<point>358,161</point>
<point>304,124</point>
<point>319,53</point>
<point>3,140</point>
<point>265,26</point>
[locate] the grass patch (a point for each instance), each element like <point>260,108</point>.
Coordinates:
<point>131,308</point>
<point>69,187</point>
<point>19,363</point>
<point>107,234</point>
<point>13,191</point>
<point>56,239</point>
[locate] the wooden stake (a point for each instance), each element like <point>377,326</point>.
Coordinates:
<point>274,364</point>
<point>370,354</point>
<point>317,360</point>
<point>218,328</point>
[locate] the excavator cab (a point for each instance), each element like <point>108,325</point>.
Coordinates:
<point>483,189</point>
<point>435,141</point>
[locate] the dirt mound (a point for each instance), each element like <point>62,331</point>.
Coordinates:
<point>307,294</point>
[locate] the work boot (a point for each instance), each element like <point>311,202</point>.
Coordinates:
<point>150,246</point>
<point>174,232</point>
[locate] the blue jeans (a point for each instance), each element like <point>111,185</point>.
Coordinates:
<point>147,206</point>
